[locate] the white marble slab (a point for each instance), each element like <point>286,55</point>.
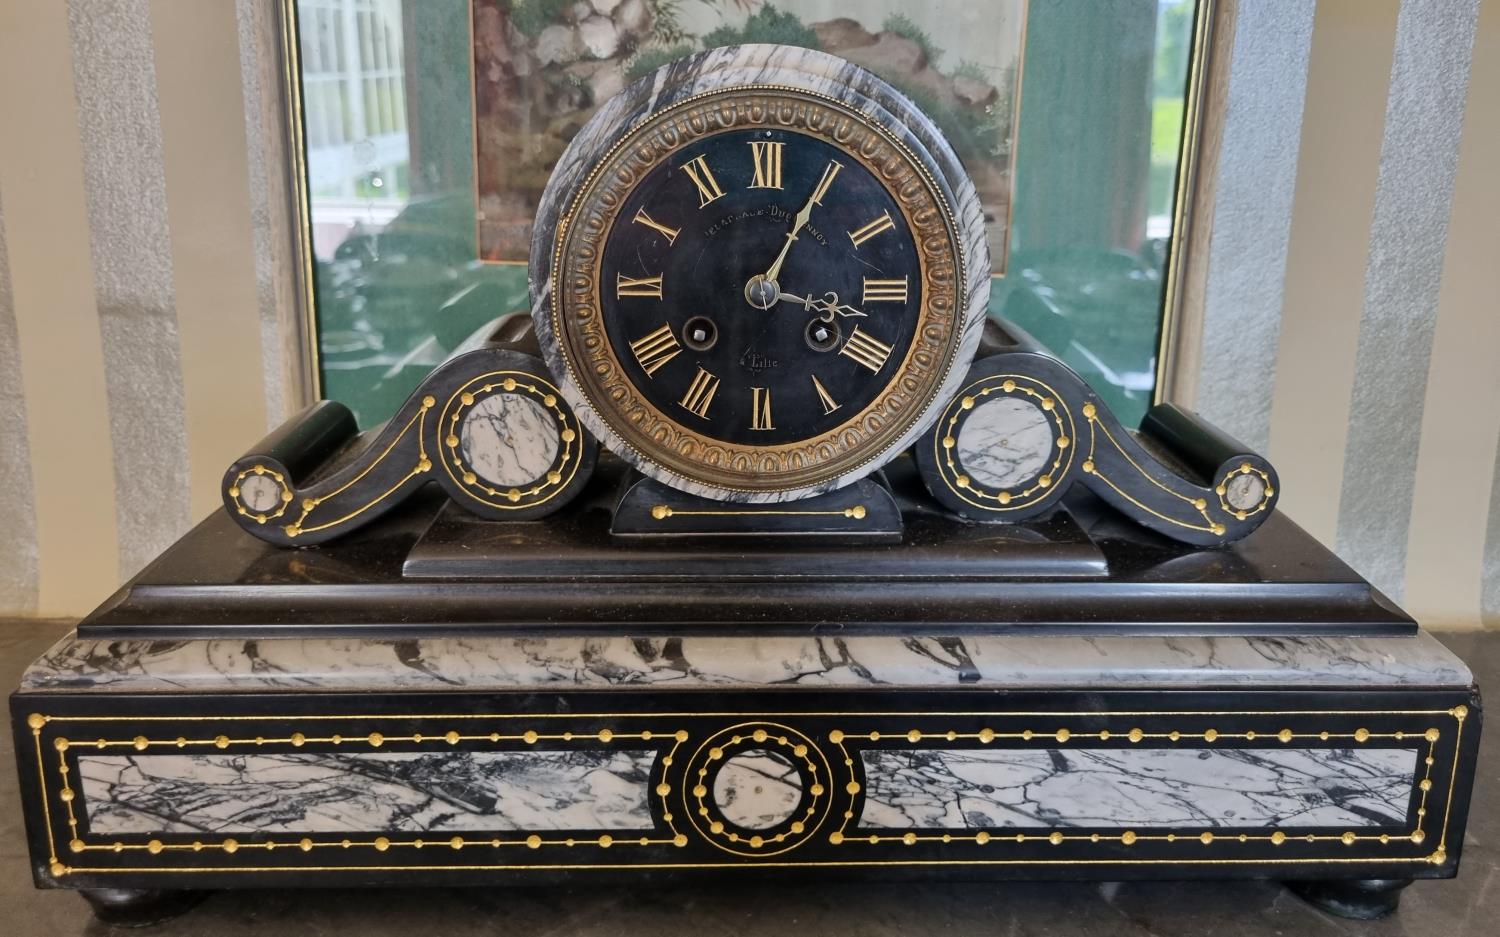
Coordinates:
<point>1005,442</point>
<point>988,788</point>
<point>365,793</point>
<point>509,439</point>
<point>868,660</point>
<point>757,790</point>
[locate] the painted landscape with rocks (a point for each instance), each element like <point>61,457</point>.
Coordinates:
<point>541,67</point>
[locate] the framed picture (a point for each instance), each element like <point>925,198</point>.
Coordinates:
<point>426,131</point>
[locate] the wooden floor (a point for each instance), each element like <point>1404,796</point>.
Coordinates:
<point>1469,905</point>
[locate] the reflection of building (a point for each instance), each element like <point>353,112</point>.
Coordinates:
<point>354,99</point>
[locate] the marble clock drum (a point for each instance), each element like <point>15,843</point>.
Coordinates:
<point>759,272</point>
<point>752,549</point>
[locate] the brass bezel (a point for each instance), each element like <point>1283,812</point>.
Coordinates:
<point>659,438</point>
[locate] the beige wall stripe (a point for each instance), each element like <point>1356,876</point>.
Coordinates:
<point>17,502</point>
<point>1343,118</point>
<point>1408,237</point>
<point>52,288</point>
<point>213,252</point>
<point>1445,549</point>
<point>119,123</point>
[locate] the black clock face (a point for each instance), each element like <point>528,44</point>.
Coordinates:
<point>760,287</point>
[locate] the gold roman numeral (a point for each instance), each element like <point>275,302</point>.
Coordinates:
<point>708,187</point>
<point>669,233</point>
<point>760,408</point>
<point>866,350</point>
<point>883,223</point>
<point>767,158</point>
<point>831,170</point>
<point>655,349</point>
<point>700,393</point>
<point>885,291</point>
<point>829,404</point>
<point>650,287</point>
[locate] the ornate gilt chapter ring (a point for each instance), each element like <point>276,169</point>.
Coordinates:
<point>657,438</point>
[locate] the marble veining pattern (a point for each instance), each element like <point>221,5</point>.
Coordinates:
<point>350,663</point>
<point>260,493</point>
<point>988,788</point>
<point>364,793</point>
<point>508,439</point>
<point>757,790</point>
<point>1004,442</point>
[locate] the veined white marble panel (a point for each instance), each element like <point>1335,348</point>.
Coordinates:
<point>1005,442</point>
<point>367,793</point>
<point>757,790</point>
<point>509,439</point>
<point>869,660</point>
<point>1138,787</point>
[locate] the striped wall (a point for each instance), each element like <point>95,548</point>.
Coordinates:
<point>143,293</point>
<point>1340,308</point>
<point>1347,318</point>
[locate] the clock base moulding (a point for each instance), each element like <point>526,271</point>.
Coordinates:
<point>146,765</point>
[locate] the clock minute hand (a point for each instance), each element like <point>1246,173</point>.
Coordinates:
<point>804,214</point>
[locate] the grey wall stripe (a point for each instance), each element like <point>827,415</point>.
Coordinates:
<point>1489,595</point>
<point>257,26</point>
<point>1255,180</point>
<point>18,556</point>
<point>119,127</point>
<point>1408,237</point>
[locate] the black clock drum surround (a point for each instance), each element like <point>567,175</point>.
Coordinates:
<point>758,276</point>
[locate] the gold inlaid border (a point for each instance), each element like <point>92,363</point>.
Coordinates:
<point>564,465</point>
<point>1063,734</point>
<point>962,485</point>
<point>798,831</point>
<point>1090,467</point>
<point>422,466</point>
<point>1245,468</point>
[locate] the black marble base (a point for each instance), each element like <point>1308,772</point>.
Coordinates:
<point>1357,899</point>
<point>1081,569</point>
<point>140,907</point>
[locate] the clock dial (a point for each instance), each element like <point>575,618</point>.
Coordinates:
<point>711,341</point>
<point>759,292</point>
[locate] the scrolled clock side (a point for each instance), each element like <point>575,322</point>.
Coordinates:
<point>1025,428</point>
<point>487,425</point>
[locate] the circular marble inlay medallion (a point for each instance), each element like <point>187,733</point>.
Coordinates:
<point>757,789</point>
<point>260,493</point>
<point>1005,442</point>
<point>1244,492</point>
<point>509,439</point>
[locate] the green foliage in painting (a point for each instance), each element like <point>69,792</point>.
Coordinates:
<point>767,24</point>
<point>651,58</point>
<point>903,26</point>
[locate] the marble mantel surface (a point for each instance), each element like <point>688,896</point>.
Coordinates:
<point>501,662</point>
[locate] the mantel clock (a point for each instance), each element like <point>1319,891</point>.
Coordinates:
<point>759,274</point>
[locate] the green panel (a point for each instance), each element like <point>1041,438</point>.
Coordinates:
<point>1084,277</point>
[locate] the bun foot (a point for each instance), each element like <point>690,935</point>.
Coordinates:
<point>1357,899</point>
<point>139,907</point>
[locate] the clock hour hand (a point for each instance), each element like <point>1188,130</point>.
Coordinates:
<point>829,305</point>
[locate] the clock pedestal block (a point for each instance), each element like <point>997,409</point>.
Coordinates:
<point>438,699</point>
<point>549,705</point>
